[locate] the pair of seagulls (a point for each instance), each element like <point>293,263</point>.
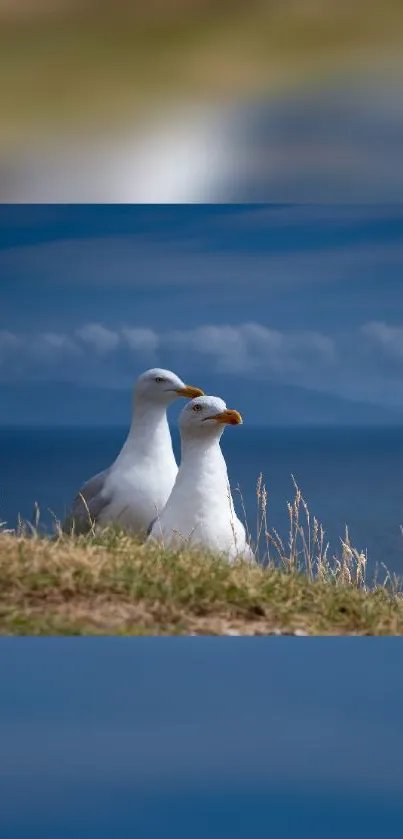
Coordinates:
<point>146,494</point>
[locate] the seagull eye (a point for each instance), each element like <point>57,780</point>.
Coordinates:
<point>197,408</point>
<point>159,379</point>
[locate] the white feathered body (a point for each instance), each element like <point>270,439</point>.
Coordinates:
<point>141,479</point>
<point>200,511</point>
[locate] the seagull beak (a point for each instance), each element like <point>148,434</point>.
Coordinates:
<point>228,417</point>
<point>190,392</point>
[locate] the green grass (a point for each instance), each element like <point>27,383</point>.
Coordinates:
<point>109,584</point>
<point>86,70</point>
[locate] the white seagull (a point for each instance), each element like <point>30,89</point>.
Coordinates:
<point>136,487</point>
<point>200,511</point>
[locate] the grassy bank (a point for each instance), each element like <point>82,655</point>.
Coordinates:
<point>73,588</point>
<point>108,584</point>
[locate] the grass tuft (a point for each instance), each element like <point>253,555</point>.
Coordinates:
<point>108,583</point>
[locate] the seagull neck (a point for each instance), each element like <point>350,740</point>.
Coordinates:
<point>203,476</point>
<point>149,427</point>
<point>201,455</point>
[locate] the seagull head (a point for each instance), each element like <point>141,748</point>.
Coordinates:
<point>207,416</point>
<point>161,387</point>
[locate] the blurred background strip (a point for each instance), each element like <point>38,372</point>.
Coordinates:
<point>200,100</point>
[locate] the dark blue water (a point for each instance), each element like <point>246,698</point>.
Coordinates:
<point>201,738</point>
<point>347,476</point>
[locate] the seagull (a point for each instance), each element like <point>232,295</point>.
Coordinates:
<point>135,488</point>
<point>200,511</point>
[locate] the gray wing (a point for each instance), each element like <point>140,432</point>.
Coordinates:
<point>84,512</point>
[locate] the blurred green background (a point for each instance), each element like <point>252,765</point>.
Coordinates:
<point>85,66</point>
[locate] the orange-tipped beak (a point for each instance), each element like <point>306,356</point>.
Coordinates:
<point>228,417</point>
<point>190,392</point>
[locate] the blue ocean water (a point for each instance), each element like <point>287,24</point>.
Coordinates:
<point>200,737</point>
<point>348,476</point>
